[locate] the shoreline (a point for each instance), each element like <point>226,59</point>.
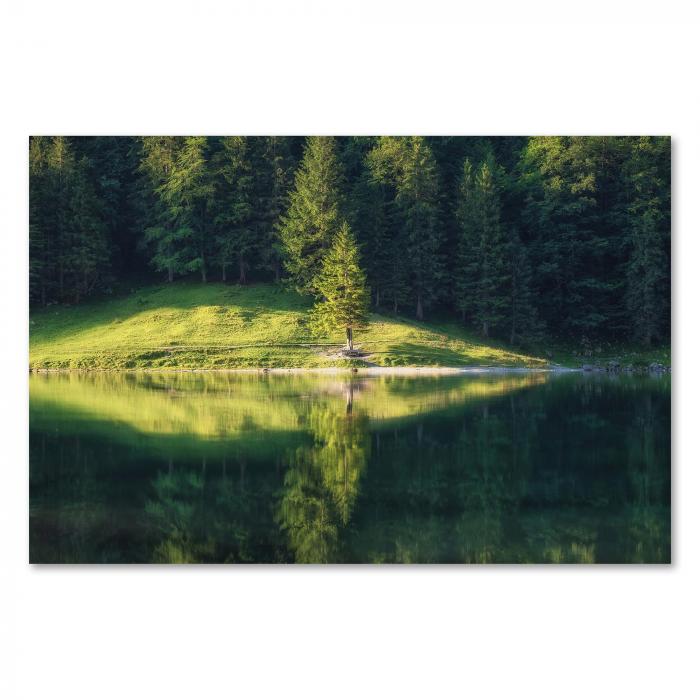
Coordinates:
<point>366,371</point>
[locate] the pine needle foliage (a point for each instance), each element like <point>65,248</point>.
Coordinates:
<point>307,229</point>
<point>343,287</point>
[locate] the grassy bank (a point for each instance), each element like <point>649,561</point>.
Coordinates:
<point>217,326</point>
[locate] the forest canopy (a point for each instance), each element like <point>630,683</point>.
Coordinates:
<point>521,238</point>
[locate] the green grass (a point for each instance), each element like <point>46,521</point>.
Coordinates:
<point>190,326</point>
<point>601,353</point>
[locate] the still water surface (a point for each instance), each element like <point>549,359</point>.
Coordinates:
<point>216,467</point>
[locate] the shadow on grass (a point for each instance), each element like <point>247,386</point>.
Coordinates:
<point>401,354</point>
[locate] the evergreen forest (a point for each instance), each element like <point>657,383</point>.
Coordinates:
<point>521,239</point>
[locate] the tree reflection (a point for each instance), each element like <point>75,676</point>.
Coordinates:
<point>202,515</point>
<point>322,483</point>
<point>649,525</point>
<point>173,512</point>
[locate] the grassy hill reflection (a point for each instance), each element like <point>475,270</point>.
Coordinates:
<point>203,410</point>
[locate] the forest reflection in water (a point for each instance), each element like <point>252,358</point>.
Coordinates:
<point>225,467</point>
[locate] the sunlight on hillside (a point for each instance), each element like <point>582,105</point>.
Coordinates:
<point>220,326</point>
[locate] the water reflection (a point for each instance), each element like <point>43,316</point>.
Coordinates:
<point>345,468</point>
<point>323,480</point>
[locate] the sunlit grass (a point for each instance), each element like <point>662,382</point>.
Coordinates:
<point>186,325</point>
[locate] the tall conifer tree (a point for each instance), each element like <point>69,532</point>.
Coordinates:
<point>188,192</point>
<point>164,238</point>
<point>236,239</point>
<point>307,229</point>
<point>40,262</point>
<point>342,286</point>
<point>648,271</point>
<point>493,294</point>
<point>467,266</point>
<point>89,256</point>
<point>525,326</point>
<point>408,164</point>
<point>273,171</point>
<point>69,246</point>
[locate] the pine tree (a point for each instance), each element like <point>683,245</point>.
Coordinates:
<point>112,170</point>
<point>525,326</point>
<point>467,266</point>
<point>37,256</point>
<point>367,212</point>
<point>342,285</point>
<point>482,269</point>
<point>306,230</point>
<point>89,255</point>
<point>165,238</point>
<point>396,285</point>
<point>236,238</point>
<point>493,294</point>
<point>408,164</point>
<point>70,254</point>
<point>60,164</point>
<point>648,270</point>
<point>418,198</point>
<point>574,214</point>
<point>188,192</point>
<point>39,239</point>
<point>273,168</point>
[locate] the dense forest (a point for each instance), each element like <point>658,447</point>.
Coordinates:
<point>522,238</point>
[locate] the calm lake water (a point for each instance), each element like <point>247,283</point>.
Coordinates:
<point>216,467</point>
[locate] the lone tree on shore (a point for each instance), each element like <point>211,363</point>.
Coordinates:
<point>342,286</point>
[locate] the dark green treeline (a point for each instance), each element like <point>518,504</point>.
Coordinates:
<point>522,238</point>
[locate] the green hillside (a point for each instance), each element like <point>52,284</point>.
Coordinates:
<point>190,325</point>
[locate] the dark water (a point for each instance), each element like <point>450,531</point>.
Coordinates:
<point>516,467</point>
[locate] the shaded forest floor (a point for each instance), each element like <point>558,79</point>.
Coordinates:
<point>217,326</point>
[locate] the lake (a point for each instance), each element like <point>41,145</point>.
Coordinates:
<point>511,467</point>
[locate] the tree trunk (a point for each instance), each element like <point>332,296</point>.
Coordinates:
<point>419,309</point>
<point>223,272</point>
<point>204,271</point>
<point>485,329</point>
<point>170,273</point>
<point>277,271</point>
<point>241,270</point>
<point>348,334</point>
<point>377,301</point>
<point>348,398</point>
